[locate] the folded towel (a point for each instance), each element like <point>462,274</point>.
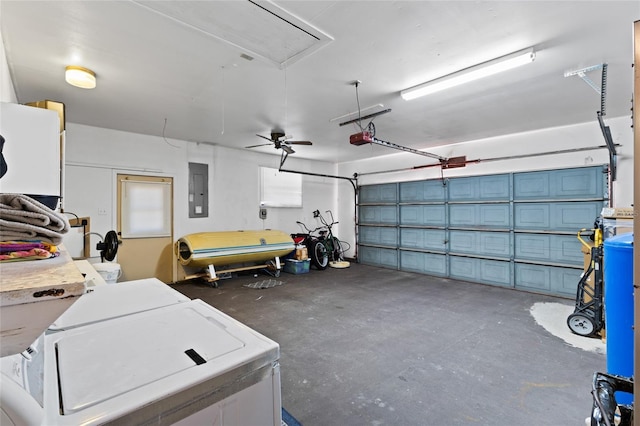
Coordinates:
<point>24,231</point>
<point>23,209</point>
<point>33,254</point>
<point>9,246</point>
<point>23,218</point>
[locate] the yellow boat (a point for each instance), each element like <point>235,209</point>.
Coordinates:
<point>232,247</point>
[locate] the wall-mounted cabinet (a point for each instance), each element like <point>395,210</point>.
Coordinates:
<point>31,150</point>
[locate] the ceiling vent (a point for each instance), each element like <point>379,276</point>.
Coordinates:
<point>260,29</point>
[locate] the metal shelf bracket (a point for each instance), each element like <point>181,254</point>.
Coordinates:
<point>582,73</point>
<point>601,90</point>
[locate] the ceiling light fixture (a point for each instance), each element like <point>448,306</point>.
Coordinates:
<point>466,75</point>
<point>80,77</point>
<point>356,112</point>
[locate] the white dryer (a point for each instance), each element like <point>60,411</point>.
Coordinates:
<point>183,362</point>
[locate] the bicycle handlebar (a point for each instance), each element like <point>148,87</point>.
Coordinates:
<point>318,215</point>
<point>310,231</point>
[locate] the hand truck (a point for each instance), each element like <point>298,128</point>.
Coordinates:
<point>588,317</point>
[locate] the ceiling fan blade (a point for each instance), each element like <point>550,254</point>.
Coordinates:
<point>255,146</point>
<point>264,137</point>
<point>299,143</point>
<point>287,149</point>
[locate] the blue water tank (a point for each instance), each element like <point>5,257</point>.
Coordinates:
<point>618,305</point>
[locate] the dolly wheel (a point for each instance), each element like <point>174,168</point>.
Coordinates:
<point>581,324</point>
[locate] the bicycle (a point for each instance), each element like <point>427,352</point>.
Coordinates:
<point>333,245</point>
<point>316,248</point>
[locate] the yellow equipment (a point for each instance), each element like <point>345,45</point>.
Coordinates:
<point>241,250</point>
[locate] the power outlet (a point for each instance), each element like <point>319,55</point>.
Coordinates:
<point>102,211</point>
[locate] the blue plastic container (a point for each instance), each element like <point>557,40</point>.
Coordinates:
<point>618,305</point>
<point>297,267</point>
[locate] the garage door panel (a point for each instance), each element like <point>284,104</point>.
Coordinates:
<point>566,281</point>
<point>548,248</point>
<point>411,261</point>
<point>377,256</point>
<point>570,216</point>
<point>427,239</point>
<point>486,271</point>
<point>586,182</point>
<point>429,263</point>
<point>480,215</point>
<point>547,279</point>
<point>462,189</point>
<point>532,216</point>
<point>420,191</point>
<point>378,215</point>
<point>378,236</point>
<point>575,216</point>
<point>530,276</point>
<point>386,193</point>
<point>495,272</point>
<point>485,188</point>
<point>494,244</point>
<point>496,187</point>
<point>423,215</point>
<point>463,268</point>
<point>533,185</point>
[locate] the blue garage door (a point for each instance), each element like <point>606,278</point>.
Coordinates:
<point>513,230</point>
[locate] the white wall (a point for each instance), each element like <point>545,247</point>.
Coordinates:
<point>95,155</point>
<point>7,91</point>
<point>544,140</point>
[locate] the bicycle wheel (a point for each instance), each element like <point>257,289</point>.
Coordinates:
<point>319,255</point>
<point>338,252</point>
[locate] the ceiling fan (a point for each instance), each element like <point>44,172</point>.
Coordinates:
<point>279,141</point>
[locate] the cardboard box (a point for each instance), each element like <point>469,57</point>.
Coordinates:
<point>297,267</point>
<point>52,105</point>
<point>586,251</point>
<point>617,212</point>
<point>301,253</point>
<point>616,221</point>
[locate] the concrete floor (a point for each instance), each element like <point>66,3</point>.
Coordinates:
<point>372,346</point>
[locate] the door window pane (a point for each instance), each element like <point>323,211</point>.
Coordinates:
<point>146,209</point>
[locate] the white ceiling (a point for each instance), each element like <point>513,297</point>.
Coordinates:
<point>182,61</point>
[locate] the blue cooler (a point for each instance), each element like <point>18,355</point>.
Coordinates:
<point>618,308</point>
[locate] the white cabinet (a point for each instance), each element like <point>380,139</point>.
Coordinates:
<point>31,150</point>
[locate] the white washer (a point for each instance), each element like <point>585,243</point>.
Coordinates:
<point>97,304</point>
<point>142,353</point>
<point>111,301</point>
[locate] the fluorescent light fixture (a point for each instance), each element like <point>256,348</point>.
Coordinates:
<point>80,77</point>
<point>356,112</point>
<point>466,75</point>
